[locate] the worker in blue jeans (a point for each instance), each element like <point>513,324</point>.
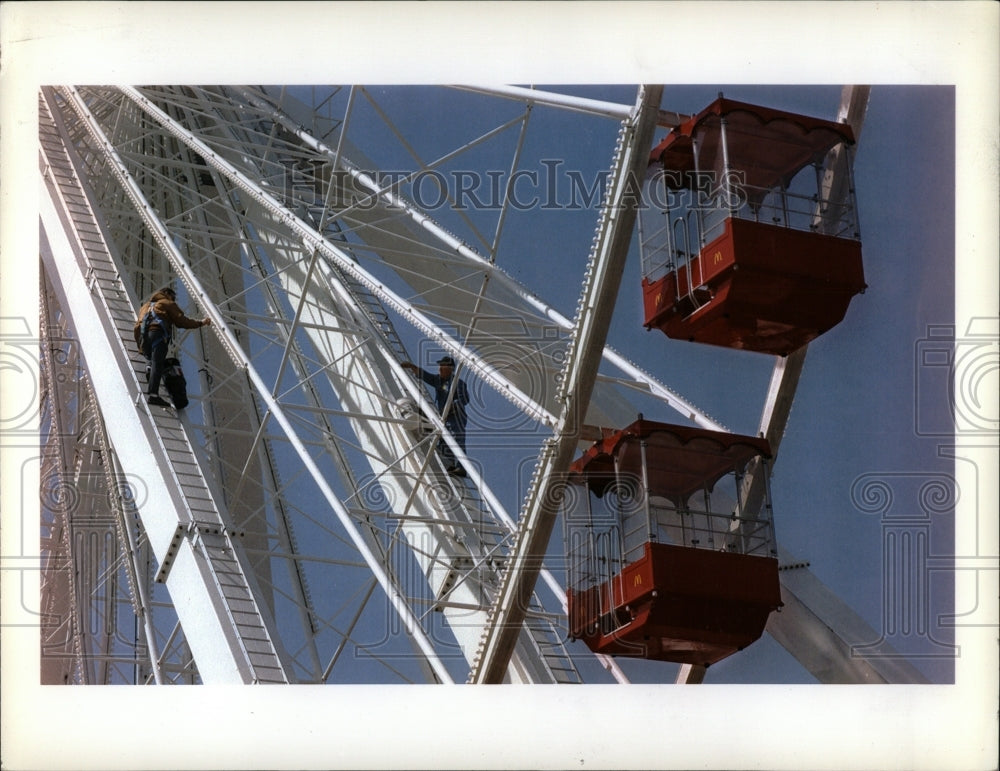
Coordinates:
<point>161,314</point>
<point>455,417</point>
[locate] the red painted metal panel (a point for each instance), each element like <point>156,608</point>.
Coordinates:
<point>680,459</point>
<point>773,289</point>
<point>766,145</point>
<point>691,606</point>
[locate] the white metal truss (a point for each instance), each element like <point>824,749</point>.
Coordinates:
<point>442,568</point>
<point>86,495</point>
<point>193,540</point>
<point>306,472</point>
<point>614,233</point>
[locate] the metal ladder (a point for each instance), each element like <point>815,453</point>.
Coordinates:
<point>369,303</point>
<point>550,644</point>
<point>200,519</point>
<point>541,633</point>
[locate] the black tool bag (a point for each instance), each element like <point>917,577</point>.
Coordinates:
<point>173,379</point>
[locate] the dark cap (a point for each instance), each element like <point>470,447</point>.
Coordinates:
<point>447,360</point>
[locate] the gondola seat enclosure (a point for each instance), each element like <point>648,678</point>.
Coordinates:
<point>748,229</point>
<point>667,557</point>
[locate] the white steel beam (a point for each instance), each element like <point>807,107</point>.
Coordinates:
<point>200,613</point>
<point>313,239</point>
<point>491,271</point>
<point>590,330</point>
<point>125,509</point>
<point>306,235</point>
<point>824,634</point>
<point>580,104</point>
<point>232,347</point>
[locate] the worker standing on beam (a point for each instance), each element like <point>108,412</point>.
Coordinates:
<point>451,407</point>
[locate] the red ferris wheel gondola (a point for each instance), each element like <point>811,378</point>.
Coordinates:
<point>746,243</point>
<point>665,560</point>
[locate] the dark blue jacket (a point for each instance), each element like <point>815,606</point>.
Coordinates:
<point>456,415</point>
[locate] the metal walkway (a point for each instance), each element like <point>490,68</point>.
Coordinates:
<point>202,545</point>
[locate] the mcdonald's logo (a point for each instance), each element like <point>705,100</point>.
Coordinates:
<point>637,579</point>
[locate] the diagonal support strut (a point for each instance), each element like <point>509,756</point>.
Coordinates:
<point>589,333</point>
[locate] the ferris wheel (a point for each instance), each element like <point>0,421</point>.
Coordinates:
<point>313,515</point>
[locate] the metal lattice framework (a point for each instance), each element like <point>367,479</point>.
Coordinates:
<point>296,522</point>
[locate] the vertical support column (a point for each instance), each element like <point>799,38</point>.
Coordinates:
<point>650,530</point>
<point>725,166</point>
<point>699,216</point>
<point>590,331</point>
<point>695,151</point>
<point>772,538</point>
<point>852,200</point>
